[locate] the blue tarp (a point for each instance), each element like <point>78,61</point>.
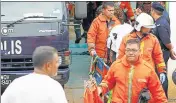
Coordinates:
<point>100,64</point>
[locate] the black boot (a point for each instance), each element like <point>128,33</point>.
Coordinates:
<point>77,40</point>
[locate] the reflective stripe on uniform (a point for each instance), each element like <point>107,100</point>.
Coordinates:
<point>161,65</point>
<point>130,83</point>
<point>110,96</point>
<point>142,47</point>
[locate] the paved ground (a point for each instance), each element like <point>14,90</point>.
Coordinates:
<point>79,68</point>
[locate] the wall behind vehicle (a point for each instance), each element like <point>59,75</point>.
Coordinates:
<point>172,16</point>
<point>172,63</point>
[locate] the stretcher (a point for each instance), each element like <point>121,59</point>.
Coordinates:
<point>97,62</point>
<point>91,93</point>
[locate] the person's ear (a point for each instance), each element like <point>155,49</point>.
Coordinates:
<point>48,66</point>
<point>45,68</point>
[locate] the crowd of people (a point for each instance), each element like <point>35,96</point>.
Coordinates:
<point>135,44</point>
<point>149,40</point>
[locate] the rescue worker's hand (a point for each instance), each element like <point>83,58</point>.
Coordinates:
<point>138,11</point>
<point>162,77</point>
<point>133,22</point>
<point>93,52</point>
<point>101,85</point>
<point>173,54</point>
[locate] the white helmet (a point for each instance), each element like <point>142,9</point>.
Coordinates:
<point>144,20</point>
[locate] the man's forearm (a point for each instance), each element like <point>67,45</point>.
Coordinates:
<point>91,46</point>
<point>104,88</point>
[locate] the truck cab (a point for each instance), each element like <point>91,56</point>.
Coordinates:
<point>27,25</point>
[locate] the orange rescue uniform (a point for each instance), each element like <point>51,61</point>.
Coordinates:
<point>150,50</point>
<point>98,34</point>
<point>126,6</point>
<point>121,76</point>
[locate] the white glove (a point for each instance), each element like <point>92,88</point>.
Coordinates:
<point>162,77</point>
<point>99,91</point>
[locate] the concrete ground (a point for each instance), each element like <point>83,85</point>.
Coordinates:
<point>79,72</point>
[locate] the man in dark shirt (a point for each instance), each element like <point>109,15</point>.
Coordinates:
<point>162,32</point>
<point>87,21</point>
<point>165,13</point>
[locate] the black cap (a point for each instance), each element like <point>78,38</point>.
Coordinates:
<point>157,6</point>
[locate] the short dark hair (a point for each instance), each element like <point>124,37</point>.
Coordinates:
<point>118,12</point>
<point>42,55</point>
<point>99,10</point>
<point>133,41</point>
<point>107,3</point>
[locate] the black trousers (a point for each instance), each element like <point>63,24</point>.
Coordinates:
<point>166,56</point>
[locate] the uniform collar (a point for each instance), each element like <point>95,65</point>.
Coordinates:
<point>125,62</point>
<point>102,18</point>
<point>134,35</point>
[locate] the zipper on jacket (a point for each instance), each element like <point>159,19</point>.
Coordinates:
<point>130,79</point>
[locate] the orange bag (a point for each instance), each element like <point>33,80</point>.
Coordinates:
<point>91,93</point>
<point>91,96</point>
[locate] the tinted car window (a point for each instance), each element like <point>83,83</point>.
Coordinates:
<point>18,10</point>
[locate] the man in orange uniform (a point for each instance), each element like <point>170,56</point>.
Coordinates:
<point>99,30</point>
<point>127,10</point>
<point>129,75</point>
<point>150,47</point>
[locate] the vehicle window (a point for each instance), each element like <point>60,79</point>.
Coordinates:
<point>14,11</point>
<point>18,10</point>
